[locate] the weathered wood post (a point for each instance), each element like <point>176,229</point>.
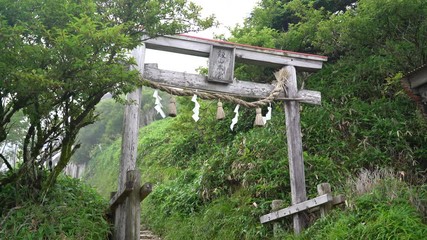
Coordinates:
<point>275,206</point>
<point>127,214</point>
<point>133,211</point>
<point>324,188</point>
<point>296,161</point>
<point>133,193</point>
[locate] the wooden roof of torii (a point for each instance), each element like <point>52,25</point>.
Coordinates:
<point>415,85</point>
<point>201,47</point>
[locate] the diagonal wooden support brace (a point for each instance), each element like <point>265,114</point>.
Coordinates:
<point>145,190</point>
<point>297,208</point>
<point>130,186</point>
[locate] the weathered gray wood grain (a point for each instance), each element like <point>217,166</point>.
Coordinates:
<point>127,219</point>
<point>221,65</point>
<point>133,210</point>
<point>120,197</point>
<point>418,77</point>
<point>244,53</point>
<point>145,190</point>
<point>294,139</point>
<point>297,208</point>
<point>325,188</point>
<point>237,88</point>
<point>277,227</point>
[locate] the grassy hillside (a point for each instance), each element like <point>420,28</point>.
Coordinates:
<point>213,183</point>
<point>71,210</point>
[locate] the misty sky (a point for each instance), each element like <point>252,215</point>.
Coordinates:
<point>227,12</point>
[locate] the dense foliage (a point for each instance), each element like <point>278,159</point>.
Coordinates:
<point>57,60</point>
<point>370,46</point>
<point>379,207</point>
<point>71,210</point>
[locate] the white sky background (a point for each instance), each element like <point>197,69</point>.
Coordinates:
<point>227,12</point>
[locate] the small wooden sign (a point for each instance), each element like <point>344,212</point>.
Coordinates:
<point>221,64</point>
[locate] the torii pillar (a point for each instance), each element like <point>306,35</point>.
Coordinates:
<point>127,213</point>
<point>295,155</point>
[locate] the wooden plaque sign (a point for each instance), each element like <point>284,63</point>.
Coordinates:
<point>221,64</point>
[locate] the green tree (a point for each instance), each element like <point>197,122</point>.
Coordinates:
<point>10,147</point>
<point>280,14</point>
<point>58,58</point>
<point>393,30</point>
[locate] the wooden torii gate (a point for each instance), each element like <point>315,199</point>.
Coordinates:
<point>222,56</point>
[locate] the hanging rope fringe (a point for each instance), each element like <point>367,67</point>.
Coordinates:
<point>236,117</point>
<point>281,76</point>
<point>158,104</point>
<point>259,122</point>
<point>220,114</point>
<point>268,115</point>
<point>196,108</point>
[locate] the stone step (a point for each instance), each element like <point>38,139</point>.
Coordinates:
<point>148,235</point>
<point>149,238</point>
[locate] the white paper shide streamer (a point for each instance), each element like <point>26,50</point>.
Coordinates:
<point>268,115</point>
<point>236,117</point>
<point>158,104</point>
<point>196,108</point>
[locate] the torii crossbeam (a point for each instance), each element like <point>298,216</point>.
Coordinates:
<point>222,57</point>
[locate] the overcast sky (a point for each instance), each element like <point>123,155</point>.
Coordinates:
<point>228,13</point>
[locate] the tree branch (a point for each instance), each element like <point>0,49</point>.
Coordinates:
<point>26,142</point>
<point>89,107</point>
<point>7,163</point>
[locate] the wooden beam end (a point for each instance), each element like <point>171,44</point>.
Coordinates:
<point>145,190</point>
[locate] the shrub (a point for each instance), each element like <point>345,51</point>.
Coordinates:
<point>71,210</point>
<point>380,206</point>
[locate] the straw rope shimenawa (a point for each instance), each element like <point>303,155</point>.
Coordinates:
<point>281,76</point>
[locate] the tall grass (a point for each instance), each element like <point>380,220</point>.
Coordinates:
<point>71,210</point>
<point>379,206</point>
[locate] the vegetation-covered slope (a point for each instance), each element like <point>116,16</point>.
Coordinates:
<point>213,183</point>
<point>71,210</point>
